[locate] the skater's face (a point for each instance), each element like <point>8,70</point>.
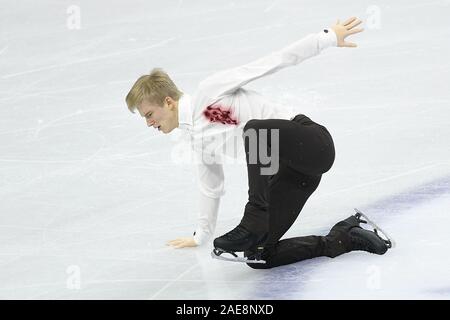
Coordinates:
<point>164,118</point>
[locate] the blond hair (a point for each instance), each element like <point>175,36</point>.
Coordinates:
<point>154,88</point>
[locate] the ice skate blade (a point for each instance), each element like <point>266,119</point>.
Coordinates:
<point>389,241</point>
<point>235,258</point>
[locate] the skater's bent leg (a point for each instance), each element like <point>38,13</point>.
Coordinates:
<point>301,144</point>
<point>305,151</point>
<point>287,192</point>
<point>291,250</point>
<point>297,249</point>
<point>255,216</point>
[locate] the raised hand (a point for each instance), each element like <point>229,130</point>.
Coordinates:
<point>345,29</point>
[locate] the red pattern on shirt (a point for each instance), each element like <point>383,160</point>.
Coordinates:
<point>218,113</point>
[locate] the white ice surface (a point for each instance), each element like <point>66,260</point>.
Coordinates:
<point>86,189</point>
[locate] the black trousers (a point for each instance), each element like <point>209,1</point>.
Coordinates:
<point>306,151</point>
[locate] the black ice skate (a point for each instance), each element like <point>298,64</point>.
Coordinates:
<point>239,240</point>
<point>366,240</point>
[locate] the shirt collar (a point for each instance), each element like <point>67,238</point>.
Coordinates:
<point>185,112</point>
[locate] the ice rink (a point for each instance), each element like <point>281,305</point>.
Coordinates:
<point>89,195</point>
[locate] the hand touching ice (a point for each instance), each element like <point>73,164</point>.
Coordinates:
<point>182,243</point>
<point>343,30</point>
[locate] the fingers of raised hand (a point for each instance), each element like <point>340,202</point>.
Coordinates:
<point>353,24</point>
<point>355,31</point>
<point>349,20</point>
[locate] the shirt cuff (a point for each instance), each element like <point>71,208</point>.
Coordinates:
<point>209,208</point>
<point>201,237</point>
<point>327,38</point>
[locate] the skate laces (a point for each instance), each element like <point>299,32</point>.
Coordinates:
<point>237,233</point>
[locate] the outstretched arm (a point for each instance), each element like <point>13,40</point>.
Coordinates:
<point>228,81</point>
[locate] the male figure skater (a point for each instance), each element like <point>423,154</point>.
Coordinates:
<point>303,150</point>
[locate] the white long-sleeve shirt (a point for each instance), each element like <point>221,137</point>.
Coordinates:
<point>215,115</point>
